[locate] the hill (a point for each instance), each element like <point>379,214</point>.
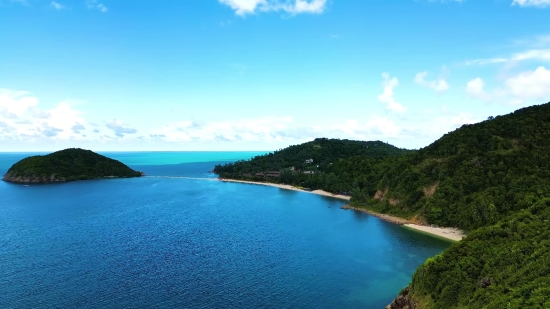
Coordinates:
<point>505,265</point>
<point>300,164</point>
<point>471,177</point>
<point>67,165</point>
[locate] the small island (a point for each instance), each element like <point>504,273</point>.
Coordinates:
<point>67,165</point>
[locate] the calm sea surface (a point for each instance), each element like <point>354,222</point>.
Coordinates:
<point>184,243</point>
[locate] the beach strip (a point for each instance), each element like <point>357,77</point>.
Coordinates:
<point>448,233</point>
<point>289,187</point>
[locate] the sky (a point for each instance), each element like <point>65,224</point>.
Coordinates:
<point>231,75</point>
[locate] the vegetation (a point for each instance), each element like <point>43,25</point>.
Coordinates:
<point>491,179</point>
<point>67,165</point>
<point>310,164</point>
<point>506,265</point>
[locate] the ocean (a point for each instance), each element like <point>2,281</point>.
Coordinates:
<point>192,243</point>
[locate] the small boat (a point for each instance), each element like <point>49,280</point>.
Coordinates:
<point>25,185</point>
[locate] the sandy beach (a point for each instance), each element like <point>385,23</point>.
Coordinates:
<point>444,232</point>
<point>289,187</point>
<point>453,234</point>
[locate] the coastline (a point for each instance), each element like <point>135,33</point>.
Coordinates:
<point>448,233</point>
<point>289,187</point>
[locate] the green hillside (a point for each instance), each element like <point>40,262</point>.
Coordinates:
<point>473,176</point>
<point>67,165</point>
<point>309,164</point>
<point>506,265</point>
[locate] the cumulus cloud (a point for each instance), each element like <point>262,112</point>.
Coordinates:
<point>529,85</point>
<point>19,111</point>
<point>16,102</point>
<point>119,128</point>
<point>5,128</point>
<point>532,3</point>
<point>77,128</point>
<point>387,96</point>
<point>475,88</point>
<point>49,131</point>
<point>243,7</point>
<point>38,113</point>
<point>438,85</point>
<point>5,113</point>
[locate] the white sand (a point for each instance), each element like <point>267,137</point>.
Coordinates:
<point>289,187</point>
<point>444,232</point>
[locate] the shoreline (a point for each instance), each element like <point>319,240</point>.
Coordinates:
<point>288,187</point>
<point>447,233</point>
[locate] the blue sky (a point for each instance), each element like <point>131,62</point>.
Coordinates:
<point>262,74</point>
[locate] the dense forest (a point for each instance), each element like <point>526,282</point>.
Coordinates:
<point>506,265</point>
<point>315,156</point>
<point>491,179</point>
<point>469,178</point>
<point>67,165</point>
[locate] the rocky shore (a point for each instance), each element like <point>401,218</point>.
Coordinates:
<point>31,179</point>
<point>403,301</point>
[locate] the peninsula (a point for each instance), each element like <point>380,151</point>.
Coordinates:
<point>67,165</point>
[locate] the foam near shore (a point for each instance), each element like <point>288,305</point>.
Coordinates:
<point>453,234</point>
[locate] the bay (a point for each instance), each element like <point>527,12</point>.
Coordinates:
<point>175,242</point>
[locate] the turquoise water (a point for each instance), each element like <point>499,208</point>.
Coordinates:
<point>183,243</point>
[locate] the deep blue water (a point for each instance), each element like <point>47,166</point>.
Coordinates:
<point>183,243</point>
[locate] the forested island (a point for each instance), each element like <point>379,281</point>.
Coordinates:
<point>67,165</point>
<point>491,179</point>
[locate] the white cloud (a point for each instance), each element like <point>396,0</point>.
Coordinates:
<point>475,88</point>
<point>529,85</point>
<point>243,7</point>
<point>26,120</point>
<point>16,102</point>
<point>57,5</point>
<point>438,85</point>
<point>533,3</point>
<point>254,130</point>
<point>387,96</point>
<point>120,128</point>
<point>533,54</point>
<point>25,123</point>
<point>273,130</point>
<point>93,4</point>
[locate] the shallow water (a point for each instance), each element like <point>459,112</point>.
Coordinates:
<point>165,243</point>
